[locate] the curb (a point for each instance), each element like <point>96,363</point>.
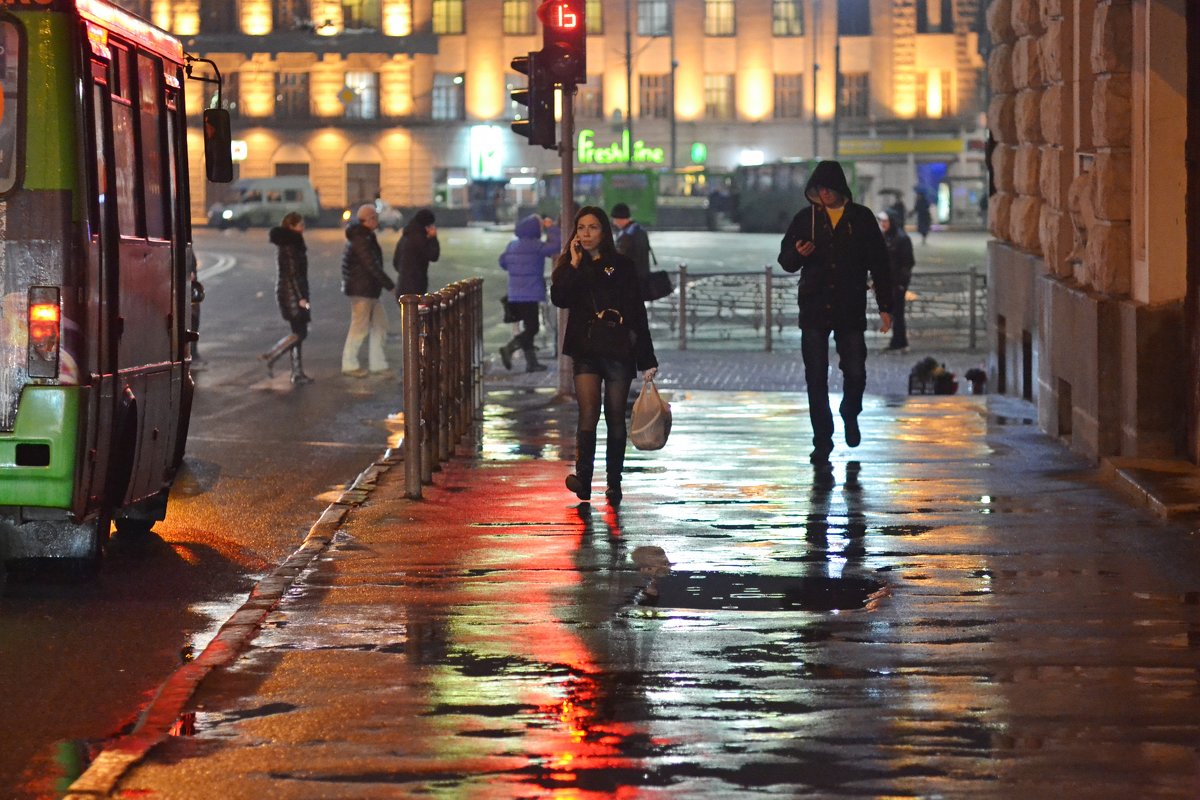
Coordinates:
<point>155,722</point>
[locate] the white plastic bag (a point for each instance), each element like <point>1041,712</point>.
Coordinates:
<point>650,424</point>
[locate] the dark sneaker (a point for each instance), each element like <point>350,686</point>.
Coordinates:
<point>853,434</point>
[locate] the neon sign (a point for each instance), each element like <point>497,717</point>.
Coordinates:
<point>616,153</point>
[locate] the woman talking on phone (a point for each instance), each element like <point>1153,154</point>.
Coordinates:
<point>607,337</point>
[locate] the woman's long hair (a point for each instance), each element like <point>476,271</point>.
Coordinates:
<point>608,247</point>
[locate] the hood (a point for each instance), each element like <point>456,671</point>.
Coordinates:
<point>280,235</point>
<point>830,175</point>
<point>423,218</point>
<point>529,228</point>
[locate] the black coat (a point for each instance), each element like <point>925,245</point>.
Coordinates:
<point>900,255</point>
<point>832,294</point>
<point>414,252</point>
<point>291,274</point>
<point>609,282</point>
<point>362,264</point>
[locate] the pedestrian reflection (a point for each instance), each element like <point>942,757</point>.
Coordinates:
<point>841,537</point>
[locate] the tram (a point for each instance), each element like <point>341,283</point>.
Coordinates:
<point>95,388</point>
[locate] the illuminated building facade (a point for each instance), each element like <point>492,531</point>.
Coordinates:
<point>410,97</point>
<point>1094,274</point>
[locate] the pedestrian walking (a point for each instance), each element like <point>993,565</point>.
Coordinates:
<point>923,212</point>
<point>900,263</point>
<point>600,289</point>
<point>634,243</point>
<point>291,292</point>
<point>417,248</point>
<point>525,262</point>
<point>363,280</point>
<point>835,243</point>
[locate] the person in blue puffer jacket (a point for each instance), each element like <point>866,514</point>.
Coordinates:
<point>525,262</point>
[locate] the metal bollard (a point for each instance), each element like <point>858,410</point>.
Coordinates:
<point>769,309</point>
<point>683,306</point>
<point>410,326</point>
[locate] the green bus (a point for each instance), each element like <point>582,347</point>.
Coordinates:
<point>95,388</point>
<point>767,196</point>
<point>688,198</point>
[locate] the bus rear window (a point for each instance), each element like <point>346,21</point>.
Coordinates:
<point>11,59</point>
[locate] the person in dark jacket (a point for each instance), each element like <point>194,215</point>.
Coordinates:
<point>633,242</point>
<point>834,244</point>
<point>901,263</point>
<point>417,248</point>
<point>525,262</point>
<point>291,292</point>
<point>363,280</point>
<point>591,278</point>
<point>924,212</point>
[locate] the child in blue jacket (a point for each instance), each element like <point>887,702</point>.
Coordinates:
<point>525,261</point>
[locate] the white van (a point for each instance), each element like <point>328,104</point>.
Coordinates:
<point>262,202</point>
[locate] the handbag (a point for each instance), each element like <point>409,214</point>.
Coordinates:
<point>509,314</point>
<point>607,334</point>
<point>650,424</point>
<point>658,285</point>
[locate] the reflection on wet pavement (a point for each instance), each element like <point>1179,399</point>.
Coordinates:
<point>912,623</point>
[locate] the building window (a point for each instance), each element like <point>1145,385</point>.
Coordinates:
<point>935,16</point>
<point>219,16</point>
<point>139,7</point>
<point>364,86</point>
<point>789,96</point>
<point>589,99</point>
<point>654,93</point>
<point>361,15</point>
<point>718,96</point>
<point>856,95</point>
<point>448,17</point>
<point>719,19</point>
<point>939,103</point>
<point>787,18</point>
<point>448,96</point>
<point>854,17</point>
<point>517,19</point>
<point>593,14</point>
<point>291,95</point>
<point>654,18</point>
<point>362,183</point>
<point>284,168</point>
<point>287,15</point>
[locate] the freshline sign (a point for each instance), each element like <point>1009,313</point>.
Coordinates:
<point>617,152</point>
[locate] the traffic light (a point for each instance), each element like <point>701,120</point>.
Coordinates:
<point>538,124</point>
<point>564,41</point>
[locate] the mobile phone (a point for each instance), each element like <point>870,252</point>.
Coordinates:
<point>578,247</point>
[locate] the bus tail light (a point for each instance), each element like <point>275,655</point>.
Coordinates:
<point>45,317</point>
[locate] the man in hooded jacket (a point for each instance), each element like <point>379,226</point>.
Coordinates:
<point>835,244</point>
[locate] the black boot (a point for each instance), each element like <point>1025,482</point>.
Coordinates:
<point>580,482</point>
<point>278,349</point>
<point>506,353</point>
<point>614,464</point>
<point>531,362</point>
<point>298,375</point>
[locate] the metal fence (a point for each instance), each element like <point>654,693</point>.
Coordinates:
<point>749,309</point>
<point>443,375</point>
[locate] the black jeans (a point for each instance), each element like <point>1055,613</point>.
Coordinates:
<point>852,360</point>
<point>530,316</point>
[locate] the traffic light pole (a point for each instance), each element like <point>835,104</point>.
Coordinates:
<point>566,149</point>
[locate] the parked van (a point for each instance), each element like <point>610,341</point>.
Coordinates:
<point>262,202</point>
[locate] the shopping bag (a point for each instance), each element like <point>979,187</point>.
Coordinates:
<point>650,424</point>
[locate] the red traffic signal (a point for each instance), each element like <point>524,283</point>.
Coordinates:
<point>538,124</point>
<point>564,40</point>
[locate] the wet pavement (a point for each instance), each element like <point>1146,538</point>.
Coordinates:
<point>964,609</point>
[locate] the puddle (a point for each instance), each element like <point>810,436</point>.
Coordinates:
<point>747,592</point>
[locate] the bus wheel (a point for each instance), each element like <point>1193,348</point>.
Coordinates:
<point>137,521</point>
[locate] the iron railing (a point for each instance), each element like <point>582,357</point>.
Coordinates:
<point>747,308</point>
<point>443,375</point>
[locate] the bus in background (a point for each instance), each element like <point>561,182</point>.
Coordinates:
<point>767,196</point>
<point>683,199</point>
<point>95,388</point>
